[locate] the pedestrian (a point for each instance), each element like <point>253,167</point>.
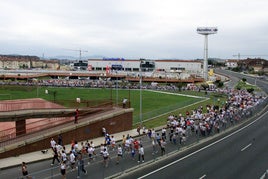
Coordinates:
<point>153,134</point>
<point>123,140</point>
<point>141,153</point>
<point>63,156</point>
<point>149,133</point>
<point>76,148</point>
<point>174,139</point>
<point>139,130</point>
<point>113,141</point>
<point>136,144</point>
<point>164,133</point>
<point>103,131</point>
<point>158,138</point>
<point>52,143</point>
<point>124,102</point>
<point>72,160</point>
<point>119,153</point>
<point>76,116</point>
<point>24,170</point>
<point>105,157</point>
<point>63,169</point>
<point>60,140</point>
<point>163,147</point>
<point>108,140</point>
<point>132,153</point>
<point>55,156</point>
<point>91,152</point>
<point>154,147</point>
<point>81,164</point>
<point>92,144</point>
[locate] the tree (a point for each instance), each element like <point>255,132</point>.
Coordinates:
<point>179,86</point>
<point>219,83</point>
<point>250,90</point>
<point>204,86</point>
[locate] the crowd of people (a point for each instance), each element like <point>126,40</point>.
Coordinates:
<point>212,118</point>
<point>202,121</point>
<point>94,84</point>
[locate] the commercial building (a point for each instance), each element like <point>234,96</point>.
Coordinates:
<point>26,62</point>
<point>121,64</point>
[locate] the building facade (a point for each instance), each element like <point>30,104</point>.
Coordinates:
<point>26,62</point>
<point>120,64</point>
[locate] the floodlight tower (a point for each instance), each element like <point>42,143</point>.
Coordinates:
<point>206,31</point>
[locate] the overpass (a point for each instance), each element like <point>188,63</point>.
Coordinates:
<point>20,116</point>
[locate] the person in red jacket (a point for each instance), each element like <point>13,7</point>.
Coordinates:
<point>76,116</point>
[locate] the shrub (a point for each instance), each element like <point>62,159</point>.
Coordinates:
<point>250,90</point>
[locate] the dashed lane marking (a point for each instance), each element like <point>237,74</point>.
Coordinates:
<point>246,147</point>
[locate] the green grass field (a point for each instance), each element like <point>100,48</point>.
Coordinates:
<point>153,103</point>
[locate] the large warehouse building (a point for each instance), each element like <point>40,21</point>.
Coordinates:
<point>120,64</point>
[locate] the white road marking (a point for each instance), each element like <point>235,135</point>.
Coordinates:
<point>178,94</point>
<point>203,177</point>
<point>199,150</point>
<point>246,147</point>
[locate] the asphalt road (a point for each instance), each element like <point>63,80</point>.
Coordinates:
<point>234,77</point>
<point>241,154</point>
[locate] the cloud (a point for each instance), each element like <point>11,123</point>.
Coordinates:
<point>126,28</point>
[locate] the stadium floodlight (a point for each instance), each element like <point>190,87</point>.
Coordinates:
<point>206,31</point>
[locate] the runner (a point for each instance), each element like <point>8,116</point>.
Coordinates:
<point>24,170</point>
<point>105,157</point>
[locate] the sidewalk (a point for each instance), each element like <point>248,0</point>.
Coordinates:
<point>38,155</point>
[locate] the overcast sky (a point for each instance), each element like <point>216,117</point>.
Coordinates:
<point>154,29</point>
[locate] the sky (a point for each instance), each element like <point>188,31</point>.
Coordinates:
<point>133,29</point>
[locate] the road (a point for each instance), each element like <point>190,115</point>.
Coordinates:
<point>262,83</point>
<point>241,154</point>
<point>95,169</point>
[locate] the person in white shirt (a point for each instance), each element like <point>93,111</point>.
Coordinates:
<point>72,160</point>
<point>105,157</point>
<point>141,153</point>
<point>103,131</point>
<point>52,143</point>
<point>63,169</point>
<point>91,152</point>
<point>63,156</point>
<point>119,153</point>
<point>164,133</point>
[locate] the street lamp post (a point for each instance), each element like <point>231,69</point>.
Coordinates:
<point>206,31</point>
<point>116,89</point>
<point>140,95</point>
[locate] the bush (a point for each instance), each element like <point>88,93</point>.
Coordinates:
<point>204,86</point>
<point>219,83</point>
<point>250,90</point>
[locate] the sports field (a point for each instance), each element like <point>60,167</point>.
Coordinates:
<point>153,103</point>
